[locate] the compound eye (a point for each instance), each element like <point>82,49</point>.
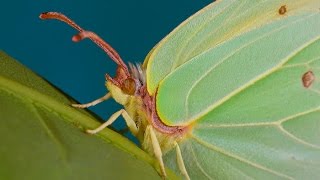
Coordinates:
<point>128,86</point>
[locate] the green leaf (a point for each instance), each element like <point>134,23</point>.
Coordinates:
<point>42,136</point>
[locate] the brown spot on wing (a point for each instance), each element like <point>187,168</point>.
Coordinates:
<point>307,79</point>
<point>282,10</point>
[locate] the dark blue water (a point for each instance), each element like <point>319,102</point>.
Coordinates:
<point>131,27</point>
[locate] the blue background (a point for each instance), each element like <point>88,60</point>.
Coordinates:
<point>131,27</point>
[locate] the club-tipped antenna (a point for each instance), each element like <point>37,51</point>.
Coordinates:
<point>112,53</point>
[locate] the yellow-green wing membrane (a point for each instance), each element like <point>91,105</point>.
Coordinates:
<point>218,22</point>
<point>248,85</point>
<point>212,78</point>
<point>217,73</point>
<point>264,127</point>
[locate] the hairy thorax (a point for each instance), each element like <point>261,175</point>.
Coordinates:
<point>141,108</point>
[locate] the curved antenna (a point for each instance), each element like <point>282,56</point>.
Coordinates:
<point>112,53</point>
<point>101,43</point>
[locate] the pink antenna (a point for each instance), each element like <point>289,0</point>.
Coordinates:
<point>112,53</point>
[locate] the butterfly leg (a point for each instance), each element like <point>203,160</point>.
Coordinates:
<point>130,123</point>
<point>93,103</point>
<point>156,149</point>
<point>181,163</point>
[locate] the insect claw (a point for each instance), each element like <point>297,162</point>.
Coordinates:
<point>82,106</point>
<point>90,131</point>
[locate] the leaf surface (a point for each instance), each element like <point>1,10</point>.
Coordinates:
<point>42,136</point>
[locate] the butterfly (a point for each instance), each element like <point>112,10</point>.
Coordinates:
<point>231,93</point>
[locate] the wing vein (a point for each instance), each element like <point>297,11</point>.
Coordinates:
<point>223,60</point>
<point>230,18</point>
<point>276,122</point>
<point>253,164</point>
<point>198,164</point>
<point>195,32</point>
<point>307,64</point>
<point>297,139</point>
<point>215,30</point>
<point>249,83</point>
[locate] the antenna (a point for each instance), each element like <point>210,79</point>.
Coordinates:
<point>112,53</point>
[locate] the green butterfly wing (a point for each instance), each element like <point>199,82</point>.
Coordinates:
<point>212,78</point>
<point>248,85</point>
<point>265,123</point>
<point>216,23</point>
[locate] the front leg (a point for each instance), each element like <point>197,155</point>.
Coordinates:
<point>93,103</point>
<point>130,123</point>
<point>180,162</point>
<point>156,149</point>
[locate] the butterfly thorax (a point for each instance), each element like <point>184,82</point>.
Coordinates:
<point>141,108</point>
